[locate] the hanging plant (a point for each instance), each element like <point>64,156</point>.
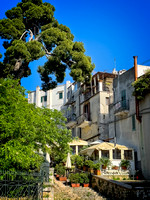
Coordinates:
<point>142,86</point>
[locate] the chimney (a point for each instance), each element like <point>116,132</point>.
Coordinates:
<point>135,67</point>
<point>136,100</point>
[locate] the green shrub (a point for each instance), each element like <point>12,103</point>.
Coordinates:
<point>84,178</point>
<point>75,178</point>
<point>89,163</point>
<point>96,166</point>
<point>60,169</point>
<point>105,161</point>
<point>125,163</point>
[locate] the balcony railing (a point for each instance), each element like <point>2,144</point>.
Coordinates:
<point>83,120</point>
<point>121,106</point>
<point>71,121</point>
<point>71,118</point>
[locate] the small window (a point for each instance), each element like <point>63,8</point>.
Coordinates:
<point>105,153</point>
<point>60,95</point>
<point>133,123</point>
<point>107,100</point>
<point>128,154</point>
<point>116,154</point>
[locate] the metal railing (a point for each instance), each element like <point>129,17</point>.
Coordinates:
<point>121,106</point>
<point>83,117</point>
<point>71,118</point>
<point>21,185</point>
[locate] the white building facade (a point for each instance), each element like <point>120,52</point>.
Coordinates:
<point>52,99</point>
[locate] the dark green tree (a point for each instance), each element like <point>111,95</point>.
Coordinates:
<point>24,129</point>
<point>30,31</point>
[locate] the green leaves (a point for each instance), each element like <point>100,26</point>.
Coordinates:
<point>30,31</point>
<point>24,129</point>
<point>142,86</point>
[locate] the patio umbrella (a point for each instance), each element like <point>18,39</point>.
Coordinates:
<point>68,163</point>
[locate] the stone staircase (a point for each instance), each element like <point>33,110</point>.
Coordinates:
<point>63,192</point>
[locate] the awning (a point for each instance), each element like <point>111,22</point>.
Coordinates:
<point>78,142</point>
<point>103,146</point>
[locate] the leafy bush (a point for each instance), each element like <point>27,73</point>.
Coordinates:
<point>125,163</point>
<point>78,160</point>
<point>75,178</point>
<point>89,163</point>
<point>97,166</point>
<point>84,178</point>
<point>60,169</point>
<point>105,161</point>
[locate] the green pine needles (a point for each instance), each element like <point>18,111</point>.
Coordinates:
<point>30,32</point>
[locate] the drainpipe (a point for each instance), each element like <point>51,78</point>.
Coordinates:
<point>136,100</point>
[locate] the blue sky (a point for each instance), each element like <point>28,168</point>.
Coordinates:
<point>109,29</point>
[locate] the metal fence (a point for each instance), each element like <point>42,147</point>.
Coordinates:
<point>21,186</point>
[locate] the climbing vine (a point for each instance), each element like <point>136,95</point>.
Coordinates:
<point>142,86</point>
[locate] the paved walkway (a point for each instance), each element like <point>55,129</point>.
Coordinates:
<point>63,192</point>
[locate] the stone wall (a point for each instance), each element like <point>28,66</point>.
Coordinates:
<point>119,190</point>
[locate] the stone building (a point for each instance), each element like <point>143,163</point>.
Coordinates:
<point>87,107</point>
<point>124,126</point>
<point>144,137</point>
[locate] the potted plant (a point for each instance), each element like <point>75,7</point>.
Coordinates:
<point>124,164</point>
<point>75,179</point>
<point>84,179</point>
<point>90,165</point>
<point>61,172</point>
<point>105,162</point>
<point>115,167</point>
<point>97,170</point>
<point>79,161</point>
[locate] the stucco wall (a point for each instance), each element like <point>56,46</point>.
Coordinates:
<point>145,136</point>
<point>121,126</point>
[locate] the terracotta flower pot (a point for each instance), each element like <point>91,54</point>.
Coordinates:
<point>57,176</point>
<point>103,167</point>
<point>75,184</point>
<point>124,167</point>
<point>115,167</point>
<point>84,168</point>
<point>63,178</point>
<point>85,184</point>
<point>97,172</point>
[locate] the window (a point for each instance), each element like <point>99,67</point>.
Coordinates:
<point>116,154</point>
<point>107,100</point>
<point>43,98</point>
<point>60,95</point>
<point>128,154</point>
<point>123,98</point>
<point>133,123</point>
<point>105,153</point>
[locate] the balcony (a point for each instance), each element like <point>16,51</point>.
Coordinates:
<point>71,121</point>
<point>121,108</point>
<point>83,120</point>
<point>71,100</point>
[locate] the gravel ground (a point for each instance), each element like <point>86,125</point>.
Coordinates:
<point>63,192</point>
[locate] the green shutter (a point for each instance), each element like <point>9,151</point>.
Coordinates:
<point>133,122</point>
<point>60,95</point>
<point>45,98</point>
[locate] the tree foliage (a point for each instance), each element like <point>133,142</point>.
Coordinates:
<point>30,31</point>
<point>142,86</point>
<point>24,129</point>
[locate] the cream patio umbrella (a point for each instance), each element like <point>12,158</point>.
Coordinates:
<point>68,164</point>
